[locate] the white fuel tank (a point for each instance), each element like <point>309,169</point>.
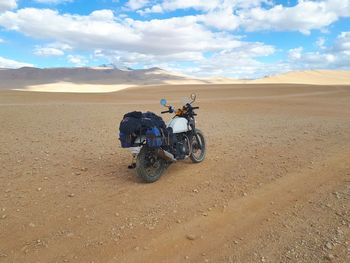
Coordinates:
<point>179,124</point>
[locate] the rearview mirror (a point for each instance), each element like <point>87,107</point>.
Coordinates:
<point>163,102</point>
<point>193,96</point>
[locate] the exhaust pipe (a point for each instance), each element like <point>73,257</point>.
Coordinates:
<point>165,155</point>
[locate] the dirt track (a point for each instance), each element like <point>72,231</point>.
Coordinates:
<point>275,186</point>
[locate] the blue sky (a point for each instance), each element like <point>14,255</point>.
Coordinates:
<point>233,38</point>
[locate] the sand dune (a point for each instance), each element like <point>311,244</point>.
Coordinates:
<point>313,77</point>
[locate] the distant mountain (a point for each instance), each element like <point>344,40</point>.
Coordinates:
<point>28,76</point>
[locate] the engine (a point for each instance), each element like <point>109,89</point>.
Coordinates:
<point>181,147</point>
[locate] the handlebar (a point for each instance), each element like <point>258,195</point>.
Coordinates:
<point>171,109</point>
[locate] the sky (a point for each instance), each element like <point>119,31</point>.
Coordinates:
<point>204,38</point>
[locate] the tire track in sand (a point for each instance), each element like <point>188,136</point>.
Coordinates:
<point>243,217</point>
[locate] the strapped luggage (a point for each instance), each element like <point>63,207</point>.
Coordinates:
<point>136,124</point>
<point>154,137</point>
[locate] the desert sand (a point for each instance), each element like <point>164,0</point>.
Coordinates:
<point>275,186</point>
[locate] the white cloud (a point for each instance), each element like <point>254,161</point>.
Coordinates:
<point>60,46</point>
<point>78,61</point>
<point>260,15</point>
<point>137,4</point>
<point>48,52</point>
<point>9,63</point>
<point>7,5</point>
<point>153,9</point>
<point>295,53</point>
<point>54,49</point>
<point>171,5</point>
<point>200,5</point>
<point>53,2</point>
<point>334,56</point>
<point>342,43</point>
<point>320,42</point>
<point>304,16</point>
<point>222,19</point>
<point>82,31</point>
<point>239,63</point>
<point>97,31</point>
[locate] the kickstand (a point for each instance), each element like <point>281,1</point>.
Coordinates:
<point>133,162</point>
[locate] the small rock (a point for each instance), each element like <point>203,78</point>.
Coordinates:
<point>84,169</point>
<point>31,224</point>
<point>263,259</point>
<point>71,195</point>
<point>190,237</point>
<point>187,257</point>
<point>245,194</point>
<point>3,216</point>
<point>339,232</point>
<point>39,189</point>
<point>329,257</point>
<point>195,191</point>
<point>329,245</point>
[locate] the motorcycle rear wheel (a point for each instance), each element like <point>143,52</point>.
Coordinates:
<point>149,167</point>
<point>198,151</point>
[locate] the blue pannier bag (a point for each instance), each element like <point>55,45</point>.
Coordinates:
<point>126,140</point>
<point>153,137</point>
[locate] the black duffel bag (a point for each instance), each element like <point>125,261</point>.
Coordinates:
<point>137,123</point>
<point>129,127</point>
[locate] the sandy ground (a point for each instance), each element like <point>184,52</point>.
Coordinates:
<point>275,186</point>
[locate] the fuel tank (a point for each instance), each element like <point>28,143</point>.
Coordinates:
<point>179,124</point>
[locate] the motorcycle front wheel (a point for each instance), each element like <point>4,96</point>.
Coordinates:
<point>149,167</point>
<point>198,149</point>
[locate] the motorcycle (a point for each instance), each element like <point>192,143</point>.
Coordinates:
<point>153,152</point>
